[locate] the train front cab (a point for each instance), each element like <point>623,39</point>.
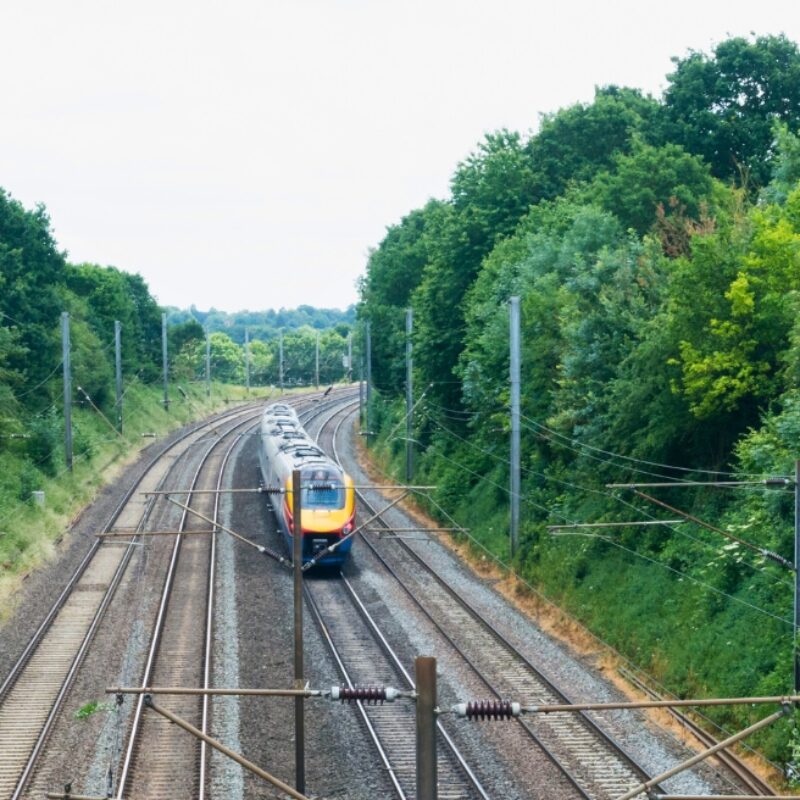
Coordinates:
<point>328,514</point>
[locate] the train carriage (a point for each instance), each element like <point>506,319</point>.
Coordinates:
<point>327,499</point>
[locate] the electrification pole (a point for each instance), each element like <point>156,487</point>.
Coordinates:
<point>316,373</point>
<point>369,379</point>
<point>350,357</point>
<point>247,358</point>
<point>796,575</point>
<point>65,358</point>
<point>409,396</point>
<point>515,446</point>
<point>165,359</point>
<point>299,681</point>
<point>208,364</point>
<point>425,677</point>
<point>280,359</point>
<point>361,391</point>
<point>118,369</point>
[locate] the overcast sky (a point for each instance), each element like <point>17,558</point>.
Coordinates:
<point>248,154</point>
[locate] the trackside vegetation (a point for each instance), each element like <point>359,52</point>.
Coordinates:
<point>655,245</point>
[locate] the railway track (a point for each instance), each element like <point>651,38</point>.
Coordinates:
<point>365,658</point>
<point>727,759</point>
<point>591,760</point>
<point>162,761</point>
<point>33,692</point>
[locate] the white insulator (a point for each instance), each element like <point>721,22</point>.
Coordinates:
<point>334,692</point>
<point>516,709</point>
<point>460,709</point>
<point>391,694</point>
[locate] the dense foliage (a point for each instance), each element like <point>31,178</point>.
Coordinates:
<point>655,245</point>
<point>37,284</point>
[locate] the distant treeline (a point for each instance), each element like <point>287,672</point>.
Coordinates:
<point>655,245</point>
<point>37,284</point>
<point>266,325</point>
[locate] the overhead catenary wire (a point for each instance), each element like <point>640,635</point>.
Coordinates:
<point>529,502</point>
<point>637,460</point>
<point>617,498</point>
<point>40,384</point>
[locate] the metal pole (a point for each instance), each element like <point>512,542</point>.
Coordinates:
<point>369,379</point>
<point>280,359</point>
<point>361,392</point>
<point>350,357</point>
<point>409,396</point>
<point>299,683</point>
<point>118,367</point>
<point>247,358</point>
<point>515,445</point>
<point>696,759</point>
<point>316,369</point>
<point>796,575</point>
<point>248,765</point>
<point>208,363</point>
<point>165,359</point>
<point>425,676</point>
<point>65,358</point>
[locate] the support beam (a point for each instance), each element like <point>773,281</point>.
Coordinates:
<point>299,680</point>
<point>208,364</point>
<point>425,679</point>
<point>247,359</point>
<point>165,360</point>
<point>118,371</point>
<point>515,425</point>
<point>369,378</point>
<point>243,762</point>
<point>683,766</point>
<point>280,360</point>
<point>409,396</point>
<point>67,365</point>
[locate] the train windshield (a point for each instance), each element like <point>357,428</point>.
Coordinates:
<point>323,488</point>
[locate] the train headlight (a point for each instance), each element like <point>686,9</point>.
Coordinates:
<point>347,529</point>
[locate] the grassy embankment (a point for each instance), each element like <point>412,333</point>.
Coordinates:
<point>29,533</point>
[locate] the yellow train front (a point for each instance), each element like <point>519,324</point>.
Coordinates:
<point>327,499</point>
<point>328,512</point>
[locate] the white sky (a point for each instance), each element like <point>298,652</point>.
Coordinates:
<point>248,154</point>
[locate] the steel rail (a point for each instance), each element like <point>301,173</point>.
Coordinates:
<point>41,633</point>
<point>460,762</point>
<point>131,753</point>
<point>207,657</point>
<point>590,724</point>
<point>359,705</point>
<point>155,639</point>
<point>728,759</point>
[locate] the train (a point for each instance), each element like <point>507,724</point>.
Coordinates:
<point>328,497</point>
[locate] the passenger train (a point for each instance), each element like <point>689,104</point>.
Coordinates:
<point>327,499</point>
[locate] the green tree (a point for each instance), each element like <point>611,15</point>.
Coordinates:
<point>649,178</point>
<point>577,142</point>
<point>724,107</point>
<point>492,190</point>
<point>31,268</point>
<point>394,270</point>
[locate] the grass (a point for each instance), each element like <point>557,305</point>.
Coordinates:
<point>29,533</point>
